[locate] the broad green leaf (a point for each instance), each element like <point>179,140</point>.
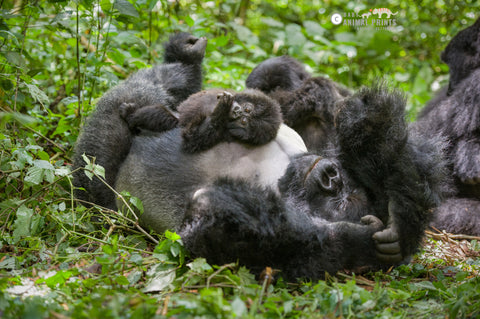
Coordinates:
<point>34,175</point>
<point>38,94</point>
<point>137,203</point>
<point>126,8</point>
<point>294,35</point>
<point>200,265</point>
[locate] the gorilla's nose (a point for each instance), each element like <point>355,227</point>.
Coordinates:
<point>324,176</point>
<point>329,175</point>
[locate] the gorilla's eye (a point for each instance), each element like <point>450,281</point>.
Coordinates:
<point>248,108</point>
<point>244,121</point>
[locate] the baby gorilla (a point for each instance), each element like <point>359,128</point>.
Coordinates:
<point>210,117</point>
<point>213,116</point>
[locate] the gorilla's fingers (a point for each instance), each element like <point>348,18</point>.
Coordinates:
<point>371,220</point>
<point>389,259</point>
<point>388,235</point>
<point>388,248</point>
<point>222,109</point>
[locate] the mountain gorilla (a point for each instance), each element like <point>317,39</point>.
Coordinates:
<point>307,102</point>
<point>155,93</point>
<point>456,115</point>
<point>365,205</point>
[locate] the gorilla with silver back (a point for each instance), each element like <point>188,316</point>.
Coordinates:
<point>363,205</point>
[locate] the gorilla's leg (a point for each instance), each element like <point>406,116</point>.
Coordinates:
<point>397,169</point>
<point>233,220</point>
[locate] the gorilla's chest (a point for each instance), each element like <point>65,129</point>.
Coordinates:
<point>263,164</point>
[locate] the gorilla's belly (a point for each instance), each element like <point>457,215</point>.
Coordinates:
<point>262,164</point>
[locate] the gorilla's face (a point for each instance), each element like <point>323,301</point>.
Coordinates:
<point>462,54</point>
<point>325,187</point>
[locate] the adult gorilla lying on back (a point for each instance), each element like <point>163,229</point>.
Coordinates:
<point>364,206</point>
<point>270,203</point>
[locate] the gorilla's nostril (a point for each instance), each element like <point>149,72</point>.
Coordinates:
<point>329,176</point>
<point>324,175</point>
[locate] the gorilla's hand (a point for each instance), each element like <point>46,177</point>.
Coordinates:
<point>387,241</point>
<point>373,221</point>
<point>221,112</point>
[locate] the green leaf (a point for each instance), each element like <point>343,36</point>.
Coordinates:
<point>239,308</point>
<point>135,201</point>
<point>43,164</point>
<point>59,279</point>
<point>34,175</point>
<point>122,280</point>
<point>126,8</point>
<point>38,94</point>
<point>172,235</point>
<point>200,265</point>
<point>313,28</point>
<point>294,35</point>
<point>190,22</point>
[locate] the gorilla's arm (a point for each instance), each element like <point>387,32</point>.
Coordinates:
<point>405,174</point>
<point>155,118</point>
<point>233,220</point>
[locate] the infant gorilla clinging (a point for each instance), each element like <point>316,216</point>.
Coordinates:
<point>214,116</point>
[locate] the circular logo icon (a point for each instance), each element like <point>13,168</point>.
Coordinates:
<point>336,18</point>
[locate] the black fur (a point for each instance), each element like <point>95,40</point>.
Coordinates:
<point>210,117</point>
<point>307,102</point>
<point>462,55</point>
<point>322,220</point>
<point>457,117</point>
<point>107,137</point>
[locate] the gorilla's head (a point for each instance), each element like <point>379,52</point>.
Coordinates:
<point>186,48</point>
<point>462,54</point>
<point>323,185</point>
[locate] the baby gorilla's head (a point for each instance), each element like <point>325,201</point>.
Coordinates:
<point>325,187</point>
<point>254,117</point>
